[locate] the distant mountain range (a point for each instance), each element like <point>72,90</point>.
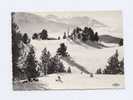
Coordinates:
<point>32,23</point>
<point>77,21</point>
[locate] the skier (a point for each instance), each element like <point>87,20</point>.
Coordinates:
<point>59,79</point>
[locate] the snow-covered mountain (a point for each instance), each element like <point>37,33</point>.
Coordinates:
<point>77,21</point>
<point>97,26</point>
<point>31,23</point>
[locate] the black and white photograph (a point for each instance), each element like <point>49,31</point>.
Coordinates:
<point>67,50</point>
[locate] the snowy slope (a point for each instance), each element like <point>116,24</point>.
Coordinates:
<point>89,57</point>
<point>84,58</point>
<point>78,81</point>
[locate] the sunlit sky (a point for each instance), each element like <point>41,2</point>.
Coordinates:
<point>110,18</point>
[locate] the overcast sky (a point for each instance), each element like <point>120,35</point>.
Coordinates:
<point>110,18</point>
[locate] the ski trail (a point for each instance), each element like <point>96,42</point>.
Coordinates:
<point>73,63</point>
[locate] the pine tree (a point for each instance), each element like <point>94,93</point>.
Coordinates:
<point>16,39</point>
<point>35,36</point>
<point>69,70</point>
<point>92,36</point>
<point>25,38</point>
<point>45,58</point>
<point>121,42</point>
<point>113,66</point>
<point>44,34</point>
<point>88,34</point>
<point>99,71</point>
<point>78,29</point>
<point>61,67</point>
<point>53,65</point>
<point>121,66</point>
<point>85,34</point>
<point>84,38</point>
<point>96,37</point>
<point>64,36</point>
<point>62,50</point>
<point>31,65</point>
<point>73,35</point>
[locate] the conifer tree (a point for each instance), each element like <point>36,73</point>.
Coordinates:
<point>69,70</point>
<point>25,38</point>
<point>62,50</point>
<point>121,42</point>
<point>35,36</point>
<point>44,34</point>
<point>113,66</point>
<point>45,58</point>
<point>64,36</point>
<point>99,71</point>
<point>16,39</point>
<point>96,37</point>
<point>31,65</point>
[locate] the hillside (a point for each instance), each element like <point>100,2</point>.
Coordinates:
<point>82,54</point>
<point>84,59</point>
<point>109,39</point>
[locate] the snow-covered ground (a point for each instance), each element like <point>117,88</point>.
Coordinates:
<point>88,57</point>
<point>73,81</point>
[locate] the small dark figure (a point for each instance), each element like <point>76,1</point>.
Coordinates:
<point>64,37</point>
<point>69,70</point>
<point>91,75</point>
<point>59,79</point>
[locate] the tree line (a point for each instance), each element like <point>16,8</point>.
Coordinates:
<point>42,35</point>
<point>84,34</point>
<point>114,66</point>
<point>30,66</point>
<point>47,64</point>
